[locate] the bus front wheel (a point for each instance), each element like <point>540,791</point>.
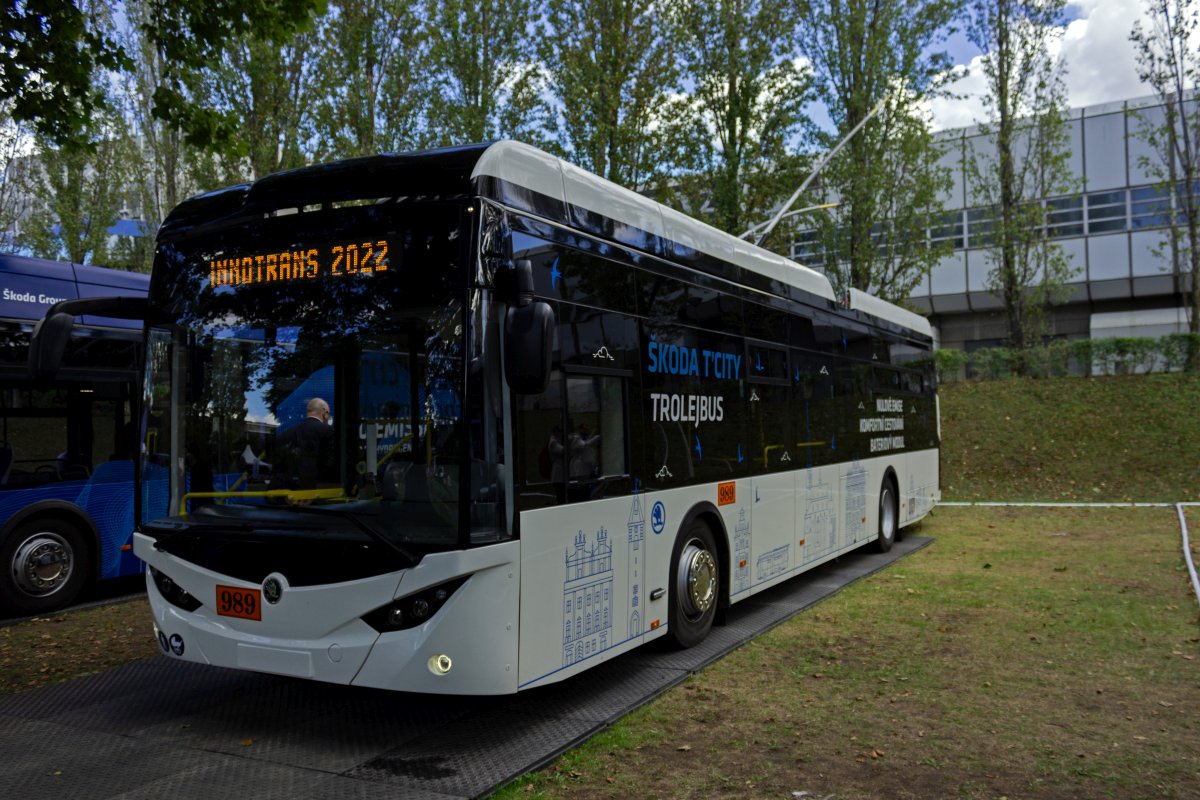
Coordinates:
<point>45,566</point>
<point>889,517</point>
<point>695,585</point>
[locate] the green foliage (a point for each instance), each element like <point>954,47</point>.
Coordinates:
<point>79,193</point>
<point>1026,99</point>
<point>747,106</point>
<point>369,90</point>
<point>950,363</point>
<point>193,36</point>
<point>1060,358</point>
<point>50,52</point>
<point>887,178</point>
<point>1168,61</point>
<point>611,67</point>
<point>485,83</point>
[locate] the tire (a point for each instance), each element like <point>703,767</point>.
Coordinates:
<point>44,565</point>
<point>889,517</point>
<point>695,585</point>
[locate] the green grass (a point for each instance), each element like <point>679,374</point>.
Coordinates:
<point>1045,653</point>
<point>1026,653</point>
<point>1134,438</point>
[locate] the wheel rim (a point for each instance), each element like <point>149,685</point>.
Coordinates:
<point>697,579</point>
<point>887,515</point>
<point>42,564</point>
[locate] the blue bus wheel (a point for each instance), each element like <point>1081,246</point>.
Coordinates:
<point>45,566</point>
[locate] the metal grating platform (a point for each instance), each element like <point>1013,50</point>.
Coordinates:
<point>165,728</point>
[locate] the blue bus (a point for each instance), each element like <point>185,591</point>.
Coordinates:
<point>68,443</point>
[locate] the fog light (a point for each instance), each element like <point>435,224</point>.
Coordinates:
<point>440,664</point>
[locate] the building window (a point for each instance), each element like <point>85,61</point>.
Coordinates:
<point>980,224</point>
<point>1106,212</point>
<point>807,249</point>
<point>1149,207</point>
<point>1064,217</point>
<point>948,228</point>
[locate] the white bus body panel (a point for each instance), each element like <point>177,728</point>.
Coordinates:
<point>602,561</point>
<point>317,631</point>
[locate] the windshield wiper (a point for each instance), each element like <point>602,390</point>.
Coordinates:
<point>361,524</point>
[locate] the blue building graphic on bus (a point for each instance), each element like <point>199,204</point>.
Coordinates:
<point>636,553</point>
<point>587,598</point>
<point>741,553</point>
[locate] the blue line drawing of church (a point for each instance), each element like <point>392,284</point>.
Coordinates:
<point>856,502</point>
<point>741,554</point>
<point>820,518</point>
<point>587,598</point>
<point>635,552</point>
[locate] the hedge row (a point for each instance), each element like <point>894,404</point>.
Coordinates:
<point>1118,356</point>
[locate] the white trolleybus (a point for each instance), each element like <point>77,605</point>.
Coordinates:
<point>474,420</point>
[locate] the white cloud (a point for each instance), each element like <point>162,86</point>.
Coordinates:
<point>1097,57</point>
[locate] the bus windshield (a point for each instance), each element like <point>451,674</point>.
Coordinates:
<point>300,372</point>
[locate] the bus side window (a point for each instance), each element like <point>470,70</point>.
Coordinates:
<point>543,466</point>
<point>596,452</point>
<point>772,442</point>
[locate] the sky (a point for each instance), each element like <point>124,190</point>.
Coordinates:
<point>1095,52</point>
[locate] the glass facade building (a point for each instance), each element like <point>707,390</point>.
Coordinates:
<point>1113,228</point>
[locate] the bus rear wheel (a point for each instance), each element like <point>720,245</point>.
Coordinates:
<point>889,517</point>
<point>45,566</point>
<point>695,585</point>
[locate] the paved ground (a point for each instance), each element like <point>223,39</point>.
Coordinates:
<point>166,728</point>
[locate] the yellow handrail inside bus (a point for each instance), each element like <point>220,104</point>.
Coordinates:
<point>291,494</point>
<point>395,449</point>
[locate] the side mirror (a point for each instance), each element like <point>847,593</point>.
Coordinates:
<point>528,336</point>
<point>48,343</point>
<point>52,332</point>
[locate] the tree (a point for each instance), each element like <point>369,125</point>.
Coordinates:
<point>81,192</point>
<point>746,108</point>
<point>370,84</point>
<point>1168,54</point>
<point>51,52</point>
<point>192,36</point>
<point>485,84</point>
<point>262,84</point>
<point>13,164</point>
<point>611,70</point>
<point>1028,127</point>
<point>864,54</point>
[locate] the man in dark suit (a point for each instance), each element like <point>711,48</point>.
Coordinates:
<point>309,446</point>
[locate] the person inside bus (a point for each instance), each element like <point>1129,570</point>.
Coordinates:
<point>583,464</point>
<point>552,462</point>
<point>309,447</point>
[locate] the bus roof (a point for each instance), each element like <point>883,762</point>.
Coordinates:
<point>574,188</point>
<point>527,178</point>
<point>869,304</point>
<point>29,286</point>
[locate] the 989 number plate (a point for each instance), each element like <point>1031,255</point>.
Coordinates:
<point>233,601</point>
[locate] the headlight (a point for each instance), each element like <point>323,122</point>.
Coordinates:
<point>414,609</point>
<point>172,592</point>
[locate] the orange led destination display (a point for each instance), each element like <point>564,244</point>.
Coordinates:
<point>340,260</point>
